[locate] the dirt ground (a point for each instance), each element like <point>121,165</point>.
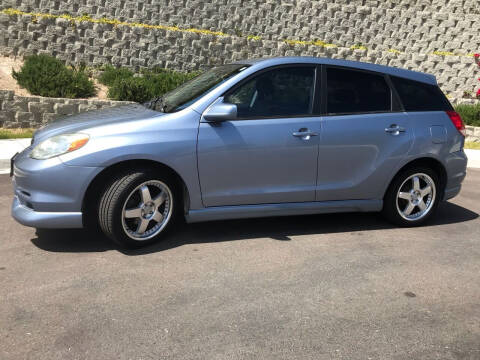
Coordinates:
<point>7,82</point>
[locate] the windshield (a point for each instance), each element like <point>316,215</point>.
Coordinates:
<point>189,92</point>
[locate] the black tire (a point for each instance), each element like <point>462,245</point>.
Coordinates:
<point>120,191</point>
<point>393,213</point>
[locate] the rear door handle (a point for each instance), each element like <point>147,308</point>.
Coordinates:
<point>394,129</point>
<point>305,134</point>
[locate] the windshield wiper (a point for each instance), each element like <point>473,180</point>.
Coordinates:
<point>156,104</point>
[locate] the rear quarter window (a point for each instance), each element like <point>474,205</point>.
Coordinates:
<point>417,96</point>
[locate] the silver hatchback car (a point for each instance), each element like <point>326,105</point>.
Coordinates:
<point>281,136</point>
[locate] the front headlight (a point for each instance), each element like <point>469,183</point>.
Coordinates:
<point>58,145</point>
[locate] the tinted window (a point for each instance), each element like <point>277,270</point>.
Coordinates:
<point>350,91</point>
<point>417,96</point>
<point>280,92</point>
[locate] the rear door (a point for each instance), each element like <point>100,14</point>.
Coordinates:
<point>365,134</point>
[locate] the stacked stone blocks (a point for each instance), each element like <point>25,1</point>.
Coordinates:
<point>473,134</point>
<point>35,111</point>
<point>412,25</point>
<point>378,29</point>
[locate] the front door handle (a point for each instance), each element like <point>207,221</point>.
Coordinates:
<point>304,133</point>
<point>394,129</point>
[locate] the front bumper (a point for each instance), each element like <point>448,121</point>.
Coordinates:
<point>49,193</point>
<point>37,219</point>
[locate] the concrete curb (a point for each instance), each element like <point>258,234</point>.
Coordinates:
<point>473,158</point>
<point>9,147</point>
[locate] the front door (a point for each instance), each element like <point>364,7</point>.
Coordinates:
<point>268,154</point>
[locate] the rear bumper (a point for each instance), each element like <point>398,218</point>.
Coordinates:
<point>55,220</point>
<point>452,192</point>
<point>456,166</point>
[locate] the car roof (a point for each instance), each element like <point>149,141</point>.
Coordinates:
<point>408,74</point>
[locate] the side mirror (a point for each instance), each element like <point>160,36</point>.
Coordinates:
<point>220,111</point>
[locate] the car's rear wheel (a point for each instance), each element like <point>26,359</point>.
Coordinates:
<point>138,207</point>
<point>413,197</point>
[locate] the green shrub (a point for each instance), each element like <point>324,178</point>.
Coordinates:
<point>469,113</point>
<point>111,73</point>
<point>131,89</point>
<point>150,84</point>
<point>46,76</point>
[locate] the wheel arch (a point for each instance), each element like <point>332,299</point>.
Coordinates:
<point>99,181</point>
<point>428,162</point>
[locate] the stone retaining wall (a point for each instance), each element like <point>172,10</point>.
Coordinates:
<point>35,111</point>
<point>434,36</point>
<point>415,26</point>
<point>473,133</point>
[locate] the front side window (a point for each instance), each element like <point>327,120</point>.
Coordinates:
<point>282,92</point>
<point>350,91</point>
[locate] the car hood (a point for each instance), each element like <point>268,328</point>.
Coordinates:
<point>88,119</point>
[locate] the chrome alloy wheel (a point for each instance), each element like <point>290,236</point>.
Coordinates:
<point>416,196</point>
<point>147,210</point>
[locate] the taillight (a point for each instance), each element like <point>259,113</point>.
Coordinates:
<point>457,121</point>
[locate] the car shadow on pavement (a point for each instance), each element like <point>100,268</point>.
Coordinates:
<point>278,228</point>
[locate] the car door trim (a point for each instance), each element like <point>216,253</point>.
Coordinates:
<point>282,209</point>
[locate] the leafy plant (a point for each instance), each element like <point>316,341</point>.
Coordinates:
<point>131,89</point>
<point>111,73</point>
<point>150,84</point>
<point>45,75</point>
<point>469,113</point>
<point>477,61</point>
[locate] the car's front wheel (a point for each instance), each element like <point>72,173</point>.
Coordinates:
<point>413,197</point>
<point>138,207</point>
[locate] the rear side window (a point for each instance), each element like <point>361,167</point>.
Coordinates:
<point>417,96</point>
<point>350,91</point>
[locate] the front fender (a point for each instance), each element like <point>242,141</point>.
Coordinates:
<point>171,142</point>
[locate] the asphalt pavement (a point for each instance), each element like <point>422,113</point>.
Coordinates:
<point>339,286</point>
